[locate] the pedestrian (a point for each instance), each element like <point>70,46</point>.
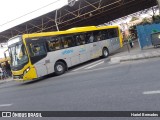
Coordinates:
<point>4,72</point>
<point>1,73</point>
<point>130,41</point>
<point>8,69</point>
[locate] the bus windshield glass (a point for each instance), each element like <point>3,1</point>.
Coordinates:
<point>18,54</point>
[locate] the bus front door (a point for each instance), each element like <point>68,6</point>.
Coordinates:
<point>38,57</point>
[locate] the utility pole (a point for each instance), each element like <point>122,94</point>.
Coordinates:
<point>56,20</point>
<point>158,1</point>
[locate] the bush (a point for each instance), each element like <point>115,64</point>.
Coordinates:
<point>156,19</point>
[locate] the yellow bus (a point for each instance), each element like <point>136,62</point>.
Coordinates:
<point>39,54</point>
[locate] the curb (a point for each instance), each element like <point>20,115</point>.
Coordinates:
<point>4,81</point>
<point>139,58</point>
<point>133,57</point>
<point>1,82</point>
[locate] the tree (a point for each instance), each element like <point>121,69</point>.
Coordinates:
<point>134,18</point>
<point>156,18</point>
<point>145,21</point>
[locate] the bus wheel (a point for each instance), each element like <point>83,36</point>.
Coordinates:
<point>59,68</point>
<point>105,53</point>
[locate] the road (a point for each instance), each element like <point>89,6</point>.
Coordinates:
<point>129,86</point>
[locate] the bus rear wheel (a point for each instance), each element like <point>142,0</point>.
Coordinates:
<point>105,53</point>
<point>59,68</point>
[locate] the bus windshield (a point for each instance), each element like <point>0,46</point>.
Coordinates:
<point>18,54</point>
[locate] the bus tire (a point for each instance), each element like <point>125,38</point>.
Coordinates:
<point>105,53</point>
<point>59,68</point>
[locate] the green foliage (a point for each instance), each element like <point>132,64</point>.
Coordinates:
<point>146,21</point>
<point>134,18</point>
<point>156,19</point>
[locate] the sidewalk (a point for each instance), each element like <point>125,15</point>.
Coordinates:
<point>6,80</point>
<point>135,53</point>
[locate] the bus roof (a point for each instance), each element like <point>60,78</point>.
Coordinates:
<point>72,30</point>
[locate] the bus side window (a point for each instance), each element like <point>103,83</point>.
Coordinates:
<point>97,36</point>
<point>71,42</point>
<point>50,45</point>
<point>87,36</point>
<point>54,44</point>
<point>116,32</point>
<point>67,42</point>
<point>63,43</point>
<point>91,38</point>
<point>37,49</point>
<point>112,33</point>
<point>57,44</point>
<point>104,35</point>
<point>82,38</point>
<point>79,39</point>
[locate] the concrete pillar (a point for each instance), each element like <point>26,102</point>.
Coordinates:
<point>158,1</point>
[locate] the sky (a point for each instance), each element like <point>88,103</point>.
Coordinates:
<point>24,10</point>
<point>10,10</point>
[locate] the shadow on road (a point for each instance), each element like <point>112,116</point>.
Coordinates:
<point>38,79</point>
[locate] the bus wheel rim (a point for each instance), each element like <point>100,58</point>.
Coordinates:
<point>59,68</point>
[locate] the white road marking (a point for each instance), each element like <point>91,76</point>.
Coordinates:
<point>151,92</point>
<point>5,105</point>
<point>87,65</point>
<point>90,70</point>
<point>94,65</point>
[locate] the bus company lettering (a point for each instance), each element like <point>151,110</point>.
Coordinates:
<point>67,52</point>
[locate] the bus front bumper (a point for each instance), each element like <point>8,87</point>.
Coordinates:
<point>23,75</point>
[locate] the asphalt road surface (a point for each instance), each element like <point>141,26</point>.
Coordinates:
<point>95,86</point>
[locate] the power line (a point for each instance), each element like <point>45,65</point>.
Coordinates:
<point>30,12</point>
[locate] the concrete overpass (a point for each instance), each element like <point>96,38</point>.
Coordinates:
<point>82,13</point>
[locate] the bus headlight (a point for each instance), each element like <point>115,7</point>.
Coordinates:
<point>25,72</point>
